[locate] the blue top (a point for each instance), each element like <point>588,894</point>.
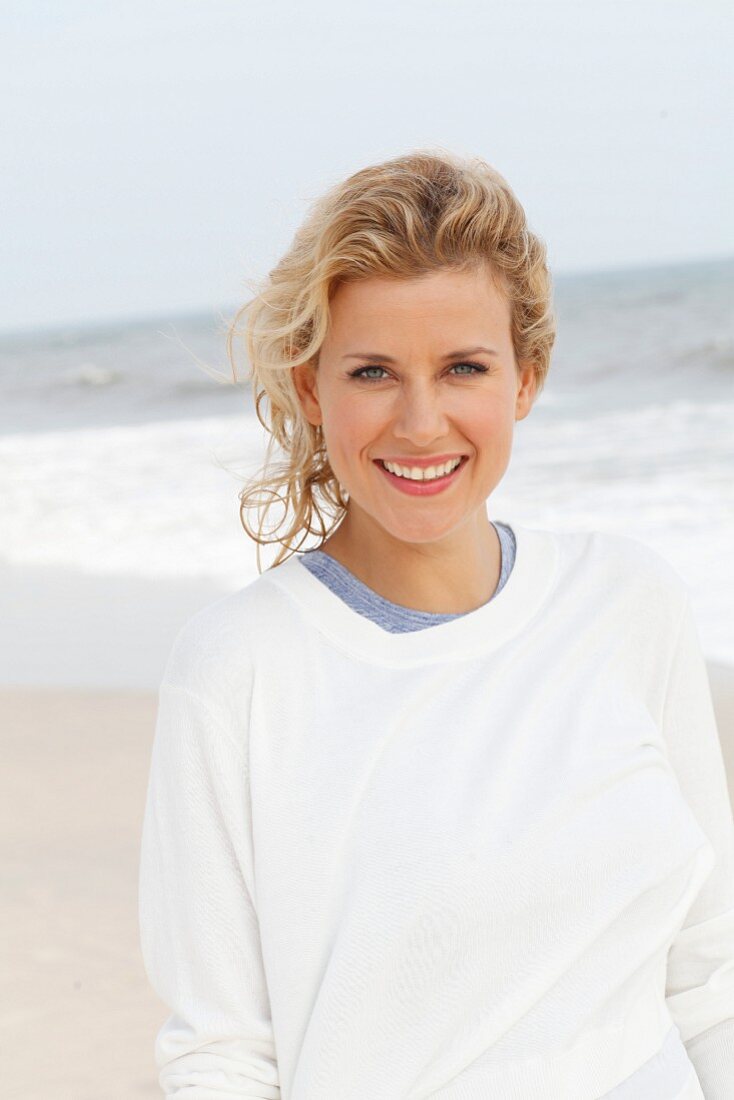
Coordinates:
<point>393,617</point>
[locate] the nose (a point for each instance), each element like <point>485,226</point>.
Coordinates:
<point>420,415</point>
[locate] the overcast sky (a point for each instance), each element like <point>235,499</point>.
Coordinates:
<point>156,154</point>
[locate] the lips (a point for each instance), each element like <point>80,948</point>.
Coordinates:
<point>420,487</point>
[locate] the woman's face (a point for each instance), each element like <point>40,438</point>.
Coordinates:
<point>391,386</point>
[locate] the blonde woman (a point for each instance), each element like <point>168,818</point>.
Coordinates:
<point>437,807</point>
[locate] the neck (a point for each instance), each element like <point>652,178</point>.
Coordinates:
<point>450,577</point>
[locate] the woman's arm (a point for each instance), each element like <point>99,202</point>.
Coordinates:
<point>198,927</point>
<point>700,973</point>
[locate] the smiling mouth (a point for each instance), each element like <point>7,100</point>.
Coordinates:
<point>408,479</point>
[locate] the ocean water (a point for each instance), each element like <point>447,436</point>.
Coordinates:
<point>123,447</point>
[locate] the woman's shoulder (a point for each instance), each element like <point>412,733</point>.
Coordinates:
<point>214,649</point>
<point>621,564</point>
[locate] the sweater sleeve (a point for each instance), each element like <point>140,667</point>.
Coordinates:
<point>198,926</point>
<point>700,964</point>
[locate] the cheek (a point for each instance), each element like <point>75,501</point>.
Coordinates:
<point>488,423</point>
<point>353,423</point>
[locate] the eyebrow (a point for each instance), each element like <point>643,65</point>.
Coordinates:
<point>451,354</point>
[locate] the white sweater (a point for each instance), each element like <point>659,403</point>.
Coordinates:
<point>492,858</point>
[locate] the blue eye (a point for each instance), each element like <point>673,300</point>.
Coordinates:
<point>477,368</point>
<point>358,373</point>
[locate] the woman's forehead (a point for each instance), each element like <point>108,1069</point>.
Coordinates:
<point>446,306</point>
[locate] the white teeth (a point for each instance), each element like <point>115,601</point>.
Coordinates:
<point>416,473</point>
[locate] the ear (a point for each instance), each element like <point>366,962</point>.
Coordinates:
<point>306,383</point>
<point>527,388</point>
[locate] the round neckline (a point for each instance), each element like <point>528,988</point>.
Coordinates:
<point>414,615</point>
<point>482,630</point>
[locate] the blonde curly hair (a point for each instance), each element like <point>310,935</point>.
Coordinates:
<point>408,216</point>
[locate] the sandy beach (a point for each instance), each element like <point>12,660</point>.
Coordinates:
<point>79,1017</point>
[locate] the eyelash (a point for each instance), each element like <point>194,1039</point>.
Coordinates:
<point>479,368</point>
